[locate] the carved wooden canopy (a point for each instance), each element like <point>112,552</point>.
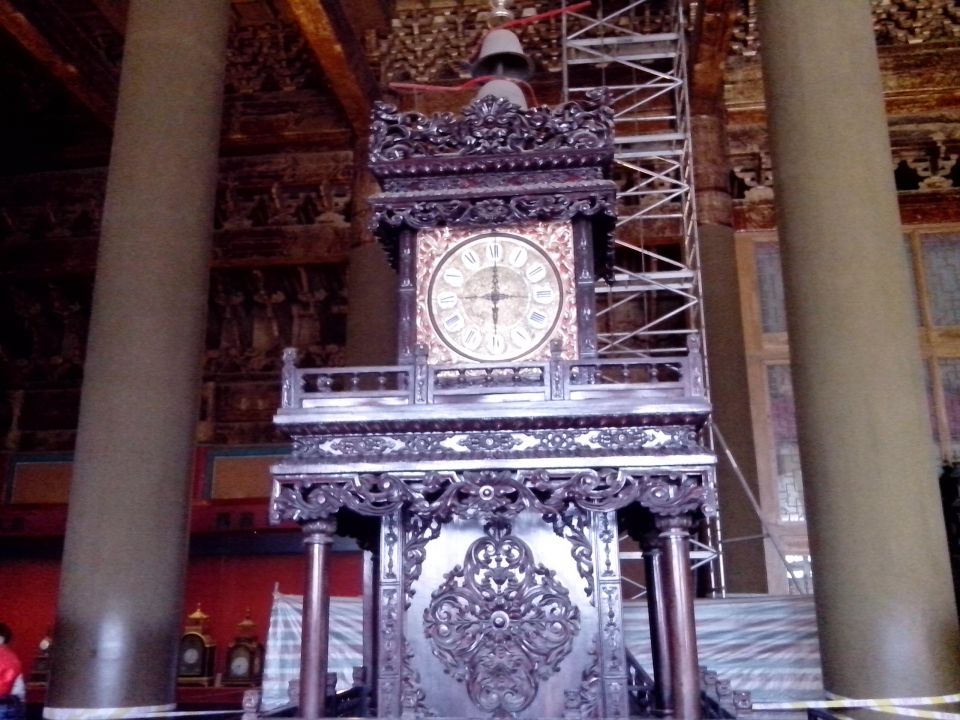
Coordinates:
<point>495,163</point>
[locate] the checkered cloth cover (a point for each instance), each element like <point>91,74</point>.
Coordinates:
<point>282,661</point>
<point>765,644</point>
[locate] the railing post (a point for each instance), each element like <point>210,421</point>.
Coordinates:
<point>421,389</point>
<point>557,379</point>
<point>694,376</point>
<point>291,383</point>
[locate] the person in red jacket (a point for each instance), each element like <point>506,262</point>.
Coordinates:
<point>12,688</point>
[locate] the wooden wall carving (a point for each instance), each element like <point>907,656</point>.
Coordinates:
<point>274,94</point>
<point>268,56</point>
<point>896,22</point>
<point>284,207</point>
<point>280,247</point>
<point>51,222</point>
<point>81,37</point>
<point>255,312</point>
<point>924,158</point>
<point>430,42</point>
<point>921,92</point>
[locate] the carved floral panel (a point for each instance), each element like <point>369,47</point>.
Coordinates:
<point>501,623</point>
<point>498,626</point>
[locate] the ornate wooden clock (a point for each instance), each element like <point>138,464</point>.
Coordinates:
<point>500,454</point>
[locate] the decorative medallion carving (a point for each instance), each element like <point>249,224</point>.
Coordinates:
<point>501,623</point>
<point>389,559</point>
<point>612,634</point>
<point>607,536</point>
<point>495,442</point>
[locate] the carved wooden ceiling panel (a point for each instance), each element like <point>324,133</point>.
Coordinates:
<point>896,22</point>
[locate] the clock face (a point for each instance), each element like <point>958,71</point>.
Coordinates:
<point>239,665</point>
<point>494,297</point>
<point>191,655</point>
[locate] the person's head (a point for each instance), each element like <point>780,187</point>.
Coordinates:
<point>5,634</point>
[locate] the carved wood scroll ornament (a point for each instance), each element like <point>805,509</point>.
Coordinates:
<point>490,125</point>
<point>489,494</point>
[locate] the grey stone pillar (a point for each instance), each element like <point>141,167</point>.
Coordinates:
<point>885,607</point>
<point>371,315</point>
<point>120,610</point>
<point>726,356</point>
<point>371,323</point>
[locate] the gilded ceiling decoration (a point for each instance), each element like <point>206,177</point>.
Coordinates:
<point>896,22</point>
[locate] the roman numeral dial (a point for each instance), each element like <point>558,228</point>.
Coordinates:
<point>494,297</point>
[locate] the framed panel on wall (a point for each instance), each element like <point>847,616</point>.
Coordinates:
<point>934,252</point>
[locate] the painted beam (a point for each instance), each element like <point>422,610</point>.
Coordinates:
<point>340,56</point>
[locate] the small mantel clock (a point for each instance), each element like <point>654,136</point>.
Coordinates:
<point>244,656</point>
<point>197,651</point>
<point>40,671</point>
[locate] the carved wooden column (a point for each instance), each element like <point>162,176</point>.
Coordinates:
<point>120,608</point>
<point>681,627</point>
<point>406,296</point>
<point>659,631</point>
<point>881,575</point>
<point>315,642</point>
<point>585,287</point>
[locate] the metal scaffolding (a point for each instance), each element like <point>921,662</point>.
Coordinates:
<point>650,306</point>
<point>637,50</point>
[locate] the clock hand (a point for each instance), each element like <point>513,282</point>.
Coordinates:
<point>495,311</point>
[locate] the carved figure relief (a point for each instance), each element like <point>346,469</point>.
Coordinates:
<point>501,623</point>
<point>895,22</point>
<point>255,312</point>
